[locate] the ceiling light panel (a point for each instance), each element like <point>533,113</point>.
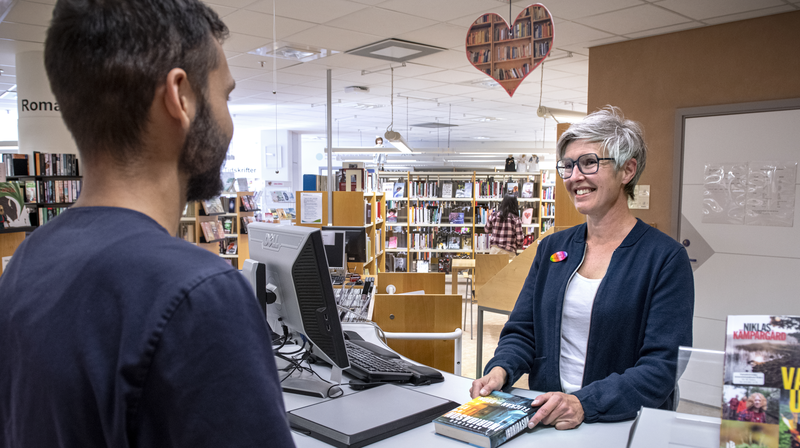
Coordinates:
<point>395,50</point>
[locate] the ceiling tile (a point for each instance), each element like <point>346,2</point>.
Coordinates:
<point>30,14</point>
<point>438,10</point>
<point>308,10</point>
<point>575,9</point>
<point>665,30</point>
<point>222,11</point>
<point>242,43</point>
<point>287,78</point>
<point>242,73</point>
<point>451,76</point>
<point>442,35</point>
<point>574,82</point>
<point>632,20</point>
<point>254,61</point>
<point>258,24</point>
<point>750,15</point>
<point>19,31</point>
<point>568,33</point>
<point>449,59</point>
<point>233,3</point>
<point>380,22</point>
<point>706,9</point>
<point>338,39</point>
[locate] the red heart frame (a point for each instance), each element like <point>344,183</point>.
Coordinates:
<point>485,35</point>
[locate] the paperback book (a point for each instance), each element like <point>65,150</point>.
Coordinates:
<point>487,421</point>
<point>213,206</point>
<point>527,216</point>
<point>761,383</point>
<point>527,190</point>
<point>447,190</point>
<point>512,189</point>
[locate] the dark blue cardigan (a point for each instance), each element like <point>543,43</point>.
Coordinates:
<point>642,313</point>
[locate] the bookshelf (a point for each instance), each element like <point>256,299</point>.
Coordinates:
<point>509,54</point>
<point>356,209</point>
<point>424,208</point>
<point>47,196</point>
<point>547,214</point>
<point>231,221</point>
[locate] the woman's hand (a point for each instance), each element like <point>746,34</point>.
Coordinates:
<point>564,411</point>
<point>492,381</point>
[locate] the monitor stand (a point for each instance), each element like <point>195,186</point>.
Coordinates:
<point>307,383</point>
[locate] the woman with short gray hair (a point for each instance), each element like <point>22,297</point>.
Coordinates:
<point>607,303</point>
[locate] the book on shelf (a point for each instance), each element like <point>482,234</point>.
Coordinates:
<point>487,421</point>
<point>447,190</point>
<point>456,218</point>
<point>512,189</point>
<point>47,164</point>
<point>391,215</point>
<point>527,216</point>
<point>282,214</point>
<point>527,190</point>
<point>247,220</point>
<point>231,248</point>
<point>213,206</point>
<point>454,242</point>
<point>399,190</point>
<point>12,202</point>
<point>423,266</point>
<point>186,231</point>
<point>464,190</point>
<point>290,212</point>
<point>241,184</point>
<point>761,382</point>
<point>388,189</point>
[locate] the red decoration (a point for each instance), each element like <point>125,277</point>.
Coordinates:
<point>508,54</point>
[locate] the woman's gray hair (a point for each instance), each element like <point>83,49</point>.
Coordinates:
<point>620,139</point>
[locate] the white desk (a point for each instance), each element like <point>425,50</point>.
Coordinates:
<point>456,388</point>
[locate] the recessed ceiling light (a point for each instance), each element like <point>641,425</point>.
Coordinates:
<point>485,119</point>
<point>366,106</point>
<point>480,137</point>
<point>395,50</point>
<point>488,83</point>
<point>295,53</point>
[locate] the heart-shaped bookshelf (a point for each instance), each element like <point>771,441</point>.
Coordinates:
<point>506,53</point>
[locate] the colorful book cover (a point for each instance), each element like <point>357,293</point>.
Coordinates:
<point>527,216</point>
<point>391,215</point>
<point>13,212</point>
<point>392,242</point>
<point>527,190</point>
<point>512,189</point>
<point>213,206</point>
<point>761,383</point>
<point>399,190</point>
<point>487,421</point>
<point>456,218</point>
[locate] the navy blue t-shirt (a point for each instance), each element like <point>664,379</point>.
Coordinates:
<point>114,333</point>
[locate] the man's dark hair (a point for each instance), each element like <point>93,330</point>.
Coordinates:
<point>105,59</point>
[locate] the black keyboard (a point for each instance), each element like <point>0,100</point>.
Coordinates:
<point>370,367</point>
<point>337,279</point>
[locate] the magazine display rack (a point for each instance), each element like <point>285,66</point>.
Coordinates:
<point>229,238</point>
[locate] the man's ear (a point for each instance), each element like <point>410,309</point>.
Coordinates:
<point>179,98</point>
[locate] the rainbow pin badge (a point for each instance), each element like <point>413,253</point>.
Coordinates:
<point>558,256</point>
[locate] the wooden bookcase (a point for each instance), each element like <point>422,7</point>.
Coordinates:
<point>506,54</point>
<point>547,214</point>
<point>195,216</point>
<point>355,209</point>
<point>423,190</point>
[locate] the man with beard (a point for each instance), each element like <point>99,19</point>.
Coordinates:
<point>112,331</point>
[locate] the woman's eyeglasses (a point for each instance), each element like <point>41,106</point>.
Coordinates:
<point>587,163</point>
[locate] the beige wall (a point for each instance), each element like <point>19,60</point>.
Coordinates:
<point>649,79</point>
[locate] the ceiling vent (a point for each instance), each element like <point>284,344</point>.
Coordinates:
<point>356,89</point>
<point>433,125</point>
<point>395,50</point>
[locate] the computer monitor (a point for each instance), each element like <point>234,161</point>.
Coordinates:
<point>334,242</point>
<point>355,242</point>
<point>296,271</point>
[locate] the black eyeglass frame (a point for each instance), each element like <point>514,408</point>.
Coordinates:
<point>576,163</point>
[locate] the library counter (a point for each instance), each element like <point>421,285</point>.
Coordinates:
<point>456,388</point>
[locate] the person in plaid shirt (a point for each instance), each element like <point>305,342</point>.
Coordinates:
<point>505,227</point>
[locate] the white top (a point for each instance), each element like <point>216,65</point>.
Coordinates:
<point>575,319</point>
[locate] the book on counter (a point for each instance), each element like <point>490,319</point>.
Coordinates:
<point>365,417</point>
<point>487,421</point>
<point>761,382</point>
